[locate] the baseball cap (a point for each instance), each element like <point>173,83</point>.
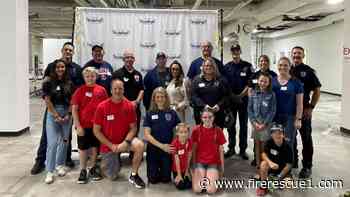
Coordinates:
<point>235,47</point>
<point>160,54</point>
<point>277,127</point>
<point>96,47</point>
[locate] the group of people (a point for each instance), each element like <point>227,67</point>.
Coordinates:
<point>104,107</point>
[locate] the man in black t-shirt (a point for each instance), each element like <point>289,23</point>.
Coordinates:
<point>277,157</point>
<point>312,86</point>
<point>133,83</point>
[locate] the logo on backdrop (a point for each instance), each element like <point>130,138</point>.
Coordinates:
<point>94,19</point>
<point>148,44</point>
<point>174,56</point>
<point>147,20</point>
<point>346,53</point>
<point>196,45</point>
<point>118,56</point>
<point>91,44</point>
<point>120,32</point>
<point>172,33</point>
<point>198,21</point>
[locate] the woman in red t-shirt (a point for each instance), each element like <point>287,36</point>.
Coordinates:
<point>84,104</point>
<point>208,154</point>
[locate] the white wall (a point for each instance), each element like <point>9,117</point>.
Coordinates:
<point>323,52</point>
<point>52,50</point>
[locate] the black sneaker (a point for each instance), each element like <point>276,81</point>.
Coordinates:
<point>244,156</point>
<point>229,153</point>
<point>95,174</point>
<point>83,179</point>
<point>253,163</point>
<point>37,168</point>
<point>305,173</point>
<point>137,181</point>
<point>70,163</point>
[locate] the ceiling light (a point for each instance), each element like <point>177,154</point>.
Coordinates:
<point>332,2</point>
<point>225,39</point>
<point>255,31</point>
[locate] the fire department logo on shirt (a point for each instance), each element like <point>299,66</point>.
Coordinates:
<point>137,78</point>
<point>167,116</point>
<point>303,74</point>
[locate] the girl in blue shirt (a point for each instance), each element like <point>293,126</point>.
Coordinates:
<point>159,124</point>
<point>289,95</point>
<point>261,111</point>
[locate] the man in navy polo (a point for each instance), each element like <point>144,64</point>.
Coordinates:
<point>195,68</point>
<point>238,73</point>
<point>159,76</point>
<point>104,69</point>
<point>312,84</point>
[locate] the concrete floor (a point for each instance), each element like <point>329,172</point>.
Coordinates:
<point>331,160</point>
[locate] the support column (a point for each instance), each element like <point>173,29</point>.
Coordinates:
<point>14,80</point>
<point>345,105</point>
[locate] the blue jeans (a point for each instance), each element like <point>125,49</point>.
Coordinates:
<point>57,139</point>
<point>289,130</point>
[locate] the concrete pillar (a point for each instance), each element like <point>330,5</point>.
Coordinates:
<point>345,105</point>
<point>14,83</point>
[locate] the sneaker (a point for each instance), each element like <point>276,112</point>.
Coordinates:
<point>37,168</point>
<point>305,173</point>
<point>137,181</point>
<point>94,174</point>
<point>83,179</point>
<point>70,163</point>
<point>49,178</point>
<point>229,153</point>
<point>261,191</point>
<point>61,170</point>
<point>253,163</point>
<point>244,156</point>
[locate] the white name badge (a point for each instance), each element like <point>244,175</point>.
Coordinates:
<point>284,88</point>
<point>110,117</point>
<point>273,152</point>
<point>201,85</point>
<point>154,117</point>
<point>88,94</point>
<point>243,74</point>
<point>126,79</point>
<point>255,81</point>
<point>181,152</point>
<point>58,88</point>
<point>265,104</point>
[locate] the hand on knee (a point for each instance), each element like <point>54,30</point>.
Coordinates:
<point>138,145</point>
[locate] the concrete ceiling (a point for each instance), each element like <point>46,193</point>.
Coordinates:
<point>54,18</point>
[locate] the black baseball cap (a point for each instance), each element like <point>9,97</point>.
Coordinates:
<point>160,54</point>
<point>277,127</point>
<point>96,47</point>
<point>236,47</point>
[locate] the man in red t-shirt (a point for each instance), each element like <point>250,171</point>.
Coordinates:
<point>84,103</point>
<point>115,127</point>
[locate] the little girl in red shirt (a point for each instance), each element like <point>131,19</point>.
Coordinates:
<point>208,154</point>
<point>182,157</point>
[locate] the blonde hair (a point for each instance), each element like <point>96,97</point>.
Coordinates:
<point>182,125</point>
<point>89,69</point>
<point>159,90</point>
<point>212,62</point>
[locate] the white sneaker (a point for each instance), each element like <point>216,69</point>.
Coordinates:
<point>61,170</point>
<point>49,178</point>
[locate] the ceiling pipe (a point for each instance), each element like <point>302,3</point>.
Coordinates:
<point>241,5</point>
<point>197,4</point>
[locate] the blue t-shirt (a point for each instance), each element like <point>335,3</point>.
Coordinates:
<point>286,96</point>
<point>162,124</point>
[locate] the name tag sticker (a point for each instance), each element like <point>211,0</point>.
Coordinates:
<point>265,104</point>
<point>110,117</point>
<point>126,79</point>
<point>88,94</point>
<point>58,88</point>
<point>273,152</point>
<point>284,88</point>
<point>255,81</point>
<point>154,117</point>
<point>201,85</point>
<point>243,74</point>
<point>181,152</point>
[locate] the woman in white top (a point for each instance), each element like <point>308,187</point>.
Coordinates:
<point>177,90</point>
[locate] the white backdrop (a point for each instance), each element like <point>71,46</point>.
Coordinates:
<point>175,32</point>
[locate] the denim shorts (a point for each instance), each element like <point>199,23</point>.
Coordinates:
<point>206,166</point>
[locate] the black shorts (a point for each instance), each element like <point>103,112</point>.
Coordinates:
<point>88,140</point>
